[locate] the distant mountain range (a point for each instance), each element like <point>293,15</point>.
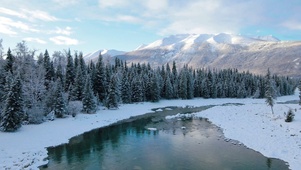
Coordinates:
<point>221,51</point>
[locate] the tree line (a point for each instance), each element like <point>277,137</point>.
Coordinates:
<point>34,87</point>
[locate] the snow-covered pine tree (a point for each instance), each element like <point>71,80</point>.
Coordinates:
<point>205,89</point>
<point>89,99</point>
<point>12,114</point>
<point>47,67</point>
<point>99,79</point>
<point>59,73</point>
<point>59,103</point>
<point>10,59</point>
<point>137,89</point>
<point>168,87</point>
<point>70,74</point>
<point>154,90</point>
<point>77,90</point>
<point>126,92</point>
<point>111,101</point>
<point>82,64</point>
<point>175,80</point>
<point>183,84</point>
<point>190,84</point>
<point>76,60</point>
<point>269,93</point>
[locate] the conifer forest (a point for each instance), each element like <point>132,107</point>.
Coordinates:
<point>36,87</point>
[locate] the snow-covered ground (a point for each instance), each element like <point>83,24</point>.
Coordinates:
<point>251,123</point>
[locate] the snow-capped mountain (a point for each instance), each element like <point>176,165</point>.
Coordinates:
<point>221,51</point>
<point>254,54</point>
<point>105,53</point>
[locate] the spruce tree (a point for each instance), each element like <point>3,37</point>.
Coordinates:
<point>190,84</point>
<point>168,87</point>
<point>12,114</point>
<point>137,89</point>
<point>78,87</point>
<point>69,80</point>
<point>111,101</point>
<point>269,93</point>
<point>10,59</point>
<point>89,102</point>
<point>125,89</point>
<point>154,90</point>
<point>183,84</point>
<point>59,104</point>
<point>99,79</point>
<point>47,67</point>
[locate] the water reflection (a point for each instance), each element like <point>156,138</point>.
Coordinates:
<point>189,144</point>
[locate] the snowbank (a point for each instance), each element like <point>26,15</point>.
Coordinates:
<point>251,123</point>
<point>256,127</point>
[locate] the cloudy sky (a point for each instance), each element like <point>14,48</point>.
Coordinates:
<point>89,25</point>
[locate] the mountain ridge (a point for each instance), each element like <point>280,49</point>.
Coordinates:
<point>222,51</point>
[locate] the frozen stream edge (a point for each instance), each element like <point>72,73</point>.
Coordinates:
<point>252,124</point>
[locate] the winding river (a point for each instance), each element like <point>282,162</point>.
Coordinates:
<point>152,142</point>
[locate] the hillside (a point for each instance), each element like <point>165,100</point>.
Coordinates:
<point>222,51</point>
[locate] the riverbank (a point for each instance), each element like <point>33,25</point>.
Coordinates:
<point>26,148</point>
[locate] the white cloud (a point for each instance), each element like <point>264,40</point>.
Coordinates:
<point>4,29</point>
<point>37,40</point>
<point>11,12</point>
<point>65,3</point>
<point>128,18</point>
<point>30,15</point>
<point>9,24</point>
<point>192,16</point>
<point>62,40</point>
<point>156,5</point>
<point>64,31</point>
<point>113,3</point>
<point>39,15</point>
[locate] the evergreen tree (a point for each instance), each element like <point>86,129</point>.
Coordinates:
<point>190,84</point>
<point>82,64</point>
<point>205,91</point>
<point>11,117</point>
<point>59,73</point>
<point>125,89</point>
<point>155,90</point>
<point>10,59</point>
<point>89,103</point>
<point>112,97</point>
<point>183,85</point>
<point>78,87</point>
<point>168,87</point>
<point>69,80</point>
<point>99,79</point>
<point>48,69</point>
<point>59,104</point>
<point>269,93</point>
<point>137,89</point>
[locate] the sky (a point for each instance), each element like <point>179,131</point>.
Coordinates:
<point>90,25</point>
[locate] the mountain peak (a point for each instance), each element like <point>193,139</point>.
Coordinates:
<point>105,52</point>
<point>187,40</point>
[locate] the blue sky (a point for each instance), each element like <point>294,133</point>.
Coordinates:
<point>90,25</point>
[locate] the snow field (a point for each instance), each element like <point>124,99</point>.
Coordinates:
<point>252,124</point>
